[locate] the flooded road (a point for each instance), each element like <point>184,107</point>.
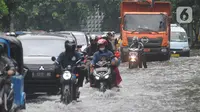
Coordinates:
<point>171,86</point>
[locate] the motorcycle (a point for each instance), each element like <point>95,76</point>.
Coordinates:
<point>103,75</point>
<point>6,92</point>
<point>133,57</point>
<point>69,80</point>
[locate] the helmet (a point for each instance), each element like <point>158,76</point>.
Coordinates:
<point>102,42</point>
<point>135,39</point>
<point>70,45</point>
<point>94,38</point>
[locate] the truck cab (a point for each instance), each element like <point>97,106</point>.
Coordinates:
<point>148,23</point>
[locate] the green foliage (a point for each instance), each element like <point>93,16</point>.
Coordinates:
<point>3,8</point>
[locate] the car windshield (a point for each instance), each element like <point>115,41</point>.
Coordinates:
<point>145,22</point>
<point>81,39</point>
<point>44,47</point>
<point>178,37</point>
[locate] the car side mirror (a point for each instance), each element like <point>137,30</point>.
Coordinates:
<point>53,58</point>
<point>79,46</point>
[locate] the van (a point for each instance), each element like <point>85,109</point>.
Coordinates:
<point>179,45</point>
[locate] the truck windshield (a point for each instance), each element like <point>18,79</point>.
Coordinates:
<point>178,37</point>
<point>145,22</point>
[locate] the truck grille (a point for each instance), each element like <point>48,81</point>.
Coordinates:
<point>152,42</point>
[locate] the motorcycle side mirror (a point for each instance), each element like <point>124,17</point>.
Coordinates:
<point>53,58</point>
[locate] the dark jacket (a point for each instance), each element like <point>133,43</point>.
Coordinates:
<point>92,49</point>
<point>5,60</point>
<point>66,59</point>
<point>110,47</point>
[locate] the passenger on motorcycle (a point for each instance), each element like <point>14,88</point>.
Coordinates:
<point>103,51</point>
<point>6,61</point>
<point>69,57</point>
<point>93,47</point>
<point>141,56</point>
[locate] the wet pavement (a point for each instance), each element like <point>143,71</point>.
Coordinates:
<point>170,86</point>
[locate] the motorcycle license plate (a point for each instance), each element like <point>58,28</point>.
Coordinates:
<point>101,69</point>
<point>41,74</point>
<point>175,55</point>
<point>146,50</point>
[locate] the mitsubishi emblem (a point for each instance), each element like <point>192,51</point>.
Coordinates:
<point>41,68</point>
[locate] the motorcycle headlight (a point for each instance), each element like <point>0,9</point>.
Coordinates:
<point>97,77</point>
<point>186,48</point>
<point>106,77</point>
<point>67,75</point>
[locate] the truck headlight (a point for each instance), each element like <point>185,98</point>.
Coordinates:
<point>164,50</point>
<point>186,49</point>
<point>67,75</point>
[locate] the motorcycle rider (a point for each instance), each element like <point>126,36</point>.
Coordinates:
<point>6,64</point>
<point>6,61</point>
<point>109,38</point>
<point>69,57</point>
<point>102,51</point>
<point>93,47</point>
<point>141,54</point>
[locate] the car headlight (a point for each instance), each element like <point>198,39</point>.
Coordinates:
<point>186,48</point>
<point>67,75</point>
<point>164,50</point>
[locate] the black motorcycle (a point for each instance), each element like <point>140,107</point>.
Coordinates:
<point>6,92</point>
<point>69,80</point>
<point>103,74</point>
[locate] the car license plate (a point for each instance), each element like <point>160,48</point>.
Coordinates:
<point>146,50</point>
<point>41,74</point>
<point>175,55</point>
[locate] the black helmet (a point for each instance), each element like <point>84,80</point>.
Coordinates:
<point>70,45</point>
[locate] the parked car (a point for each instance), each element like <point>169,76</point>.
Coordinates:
<point>179,45</point>
<point>37,51</point>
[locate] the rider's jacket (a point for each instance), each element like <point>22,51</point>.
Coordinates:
<point>65,59</point>
<point>110,46</point>
<point>91,49</point>
<point>101,54</point>
<point>5,60</point>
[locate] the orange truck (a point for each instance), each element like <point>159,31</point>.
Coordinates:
<point>148,21</point>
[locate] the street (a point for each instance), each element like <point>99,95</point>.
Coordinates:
<point>171,86</point>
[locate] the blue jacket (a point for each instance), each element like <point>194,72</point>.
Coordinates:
<point>98,55</point>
